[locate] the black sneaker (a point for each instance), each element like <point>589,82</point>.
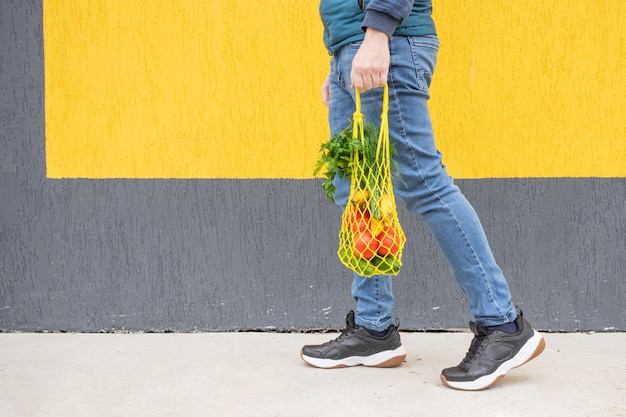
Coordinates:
<point>492,354</point>
<point>356,346</point>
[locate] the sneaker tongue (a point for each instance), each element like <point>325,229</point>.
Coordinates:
<point>350,319</point>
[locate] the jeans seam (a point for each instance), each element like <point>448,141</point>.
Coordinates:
<point>378,303</point>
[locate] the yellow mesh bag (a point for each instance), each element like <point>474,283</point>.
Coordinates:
<point>371,239</point>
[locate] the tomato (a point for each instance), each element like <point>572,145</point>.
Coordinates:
<point>389,242</point>
<point>358,220</point>
<point>365,245</point>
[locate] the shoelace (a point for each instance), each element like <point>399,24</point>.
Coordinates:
<point>475,347</point>
<point>344,333</point>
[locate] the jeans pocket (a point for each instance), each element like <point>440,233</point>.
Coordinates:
<point>424,50</point>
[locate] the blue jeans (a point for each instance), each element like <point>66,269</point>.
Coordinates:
<point>423,184</point>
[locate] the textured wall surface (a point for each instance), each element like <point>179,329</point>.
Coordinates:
<point>182,89</point>
<point>223,254</point>
<point>88,254</point>
<point>171,89</point>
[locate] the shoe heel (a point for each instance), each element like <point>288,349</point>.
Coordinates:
<point>538,350</point>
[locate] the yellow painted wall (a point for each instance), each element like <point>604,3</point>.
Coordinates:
<point>531,88</point>
<point>230,88</point>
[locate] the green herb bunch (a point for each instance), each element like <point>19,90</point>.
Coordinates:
<point>337,156</point>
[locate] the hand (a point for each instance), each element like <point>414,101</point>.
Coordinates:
<point>326,90</point>
<point>370,66</point>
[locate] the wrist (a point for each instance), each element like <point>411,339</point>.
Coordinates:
<point>375,35</point>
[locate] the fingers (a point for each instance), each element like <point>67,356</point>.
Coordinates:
<point>326,90</point>
<point>364,79</point>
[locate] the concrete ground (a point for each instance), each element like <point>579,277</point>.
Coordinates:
<point>261,374</point>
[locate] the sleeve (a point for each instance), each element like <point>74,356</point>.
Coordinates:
<point>386,15</point>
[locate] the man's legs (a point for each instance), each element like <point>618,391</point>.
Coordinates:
<point>427,190</point>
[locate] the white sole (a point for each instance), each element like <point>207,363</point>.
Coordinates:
<point>385,359</point>
<point>533,347</point>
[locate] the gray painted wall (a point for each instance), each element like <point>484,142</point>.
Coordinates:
<point>184,255</point>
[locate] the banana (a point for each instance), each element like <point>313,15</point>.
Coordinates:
<point>386,206</point>
<point>376,226</point>
<point>360,197</point>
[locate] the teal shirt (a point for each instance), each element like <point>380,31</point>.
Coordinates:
<point>342,21</point>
